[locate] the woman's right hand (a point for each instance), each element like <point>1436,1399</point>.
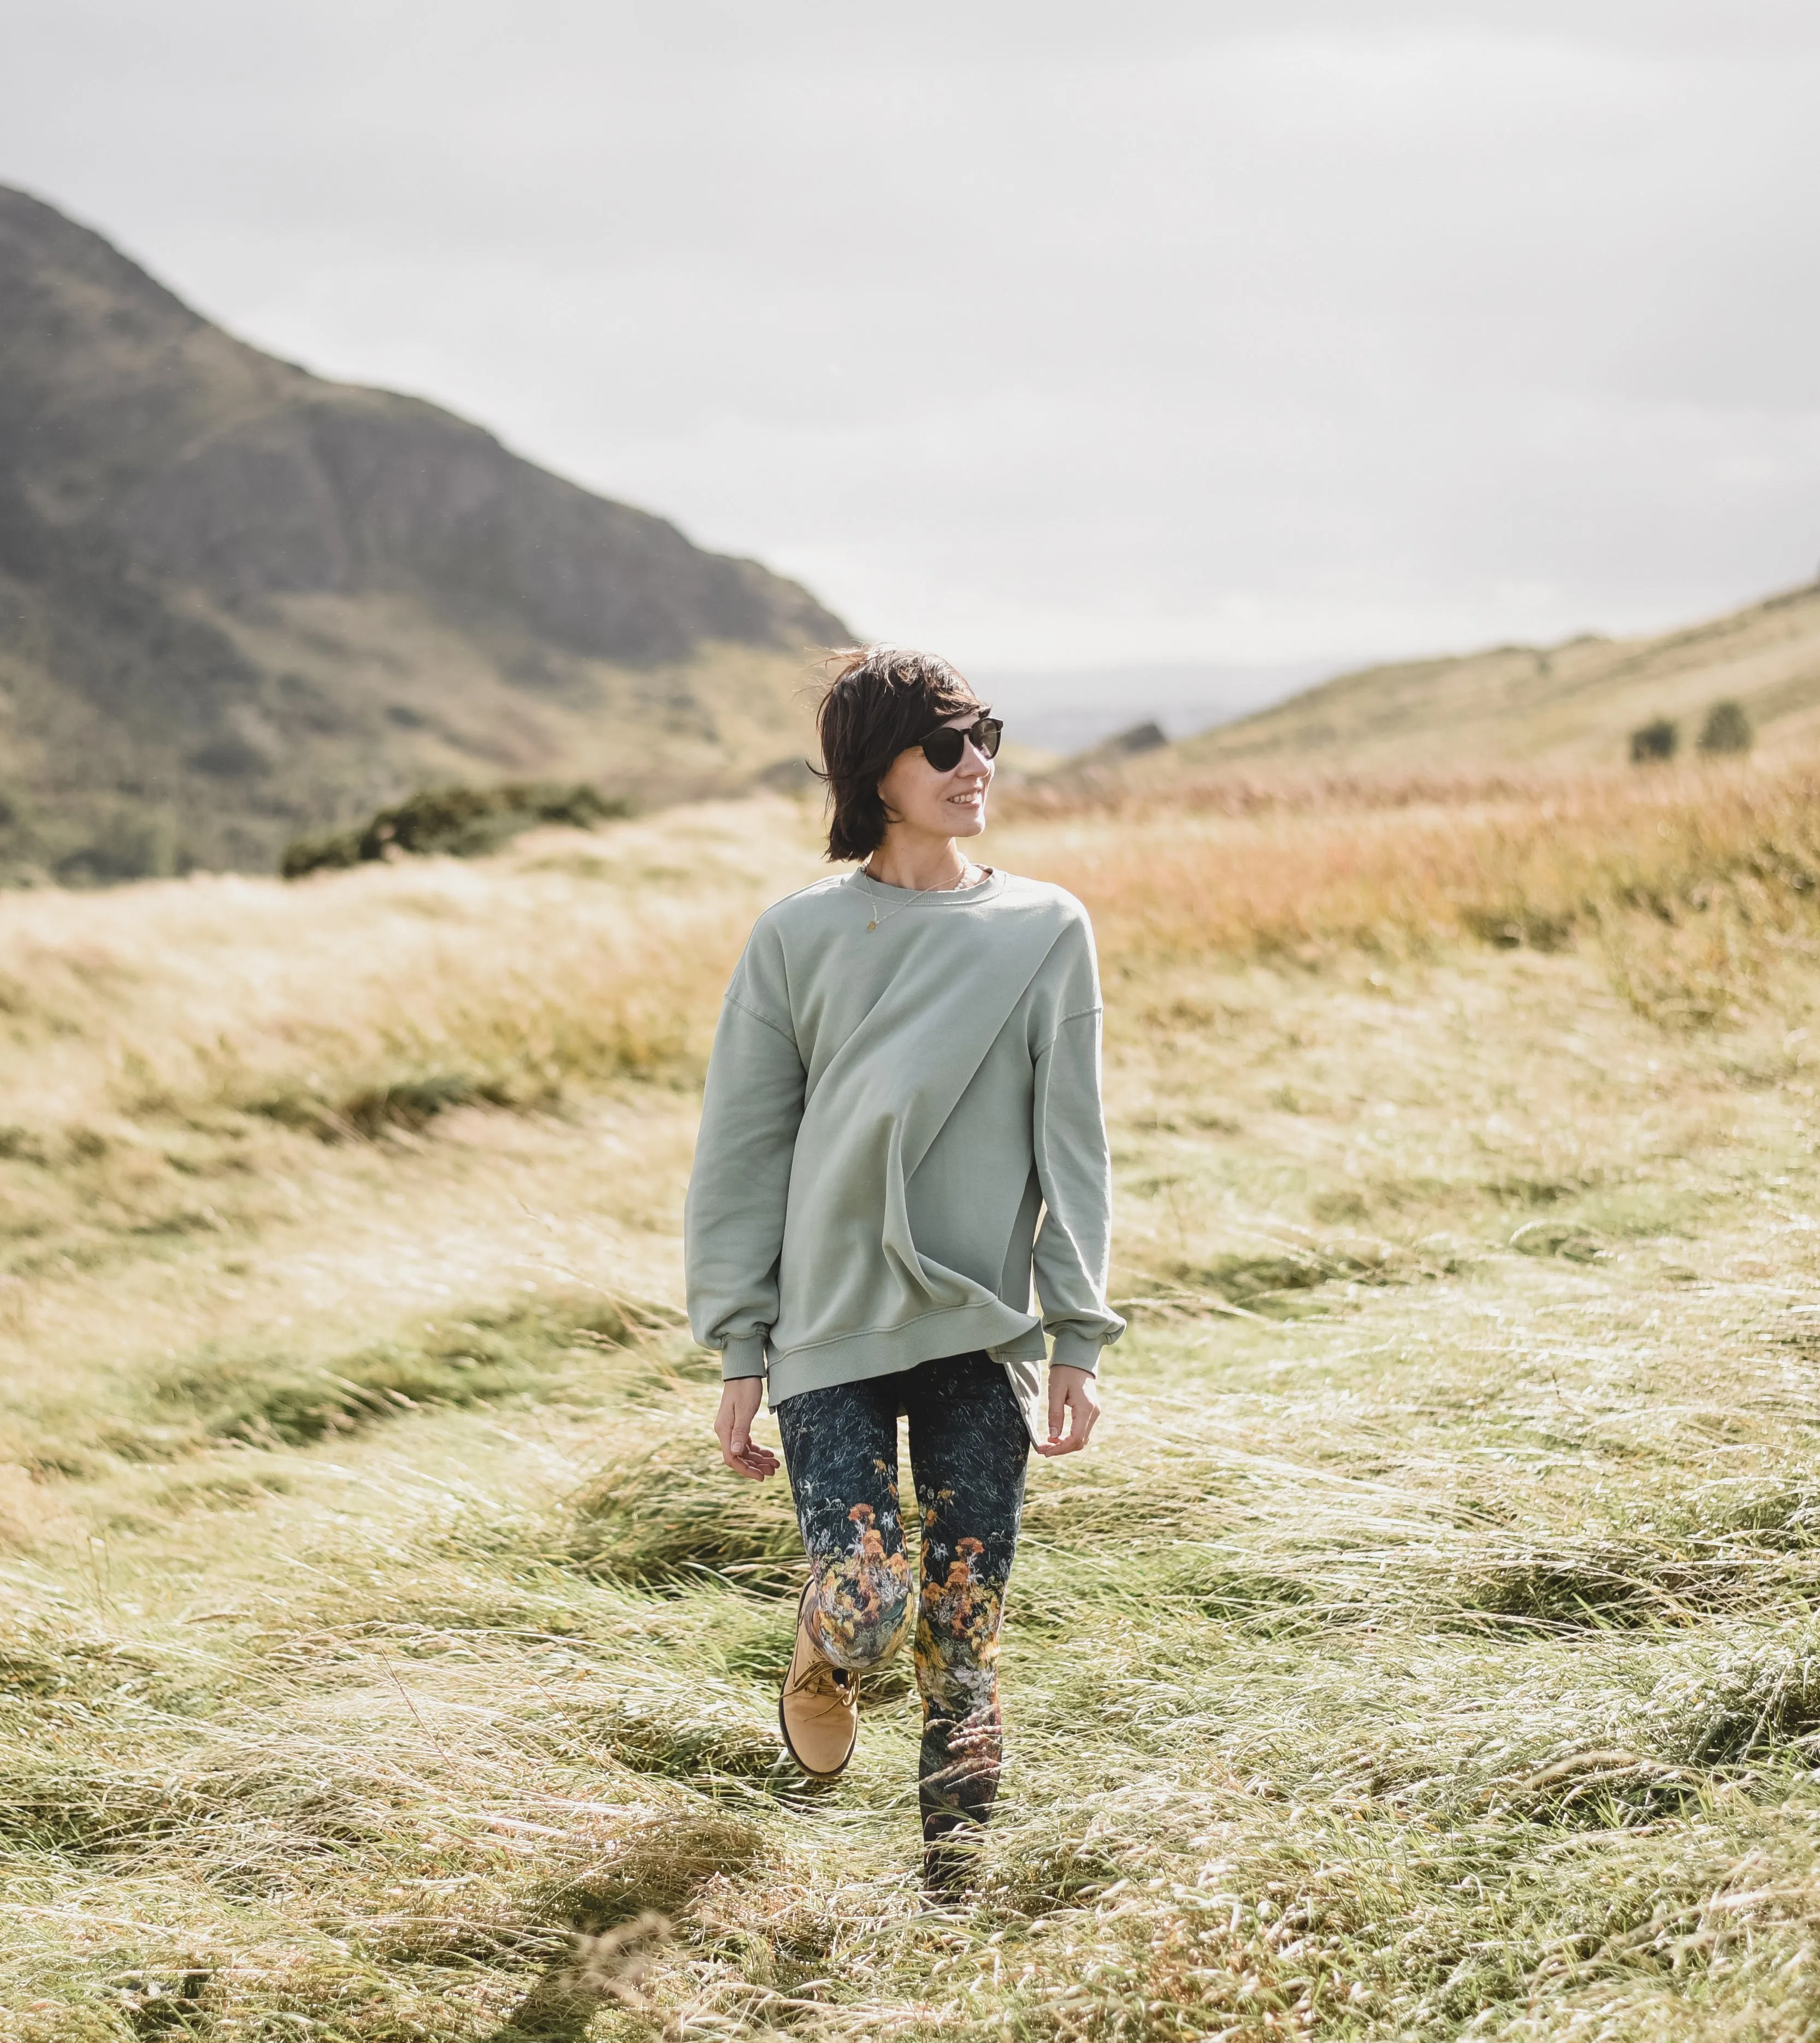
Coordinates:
<point>740,1398</point>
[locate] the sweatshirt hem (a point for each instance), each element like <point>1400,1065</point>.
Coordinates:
<point>885,1351</point>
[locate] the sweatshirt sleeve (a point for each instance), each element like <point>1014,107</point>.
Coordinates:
<point>732,1219</point>
<point>1073,1171</point>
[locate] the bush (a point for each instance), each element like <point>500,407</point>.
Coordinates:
<point>456,821</point>
<point>1657,739</point>
<point>1727,729</point>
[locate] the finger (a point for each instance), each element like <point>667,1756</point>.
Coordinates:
<point>1058,1403</point>
<point>1055,1444</point>
<point>752,1454</point>
<point>1080,1423</point>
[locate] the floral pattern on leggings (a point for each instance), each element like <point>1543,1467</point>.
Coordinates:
<point>969,1449</point>
<point>957,1677</point>
<point>862,1597</point>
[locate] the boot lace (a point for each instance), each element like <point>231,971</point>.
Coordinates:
<point>822,1677</point>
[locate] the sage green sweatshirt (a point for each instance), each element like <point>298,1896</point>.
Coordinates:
<point>902,1125</point>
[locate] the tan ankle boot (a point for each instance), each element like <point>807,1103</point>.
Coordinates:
<point>819,1709</point>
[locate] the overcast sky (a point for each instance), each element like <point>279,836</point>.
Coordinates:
<point>1049,335</point>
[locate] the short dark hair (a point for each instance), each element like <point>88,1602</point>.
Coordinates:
<point>878,701</point>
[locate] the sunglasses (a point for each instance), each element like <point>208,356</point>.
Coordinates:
<point>943,749</point>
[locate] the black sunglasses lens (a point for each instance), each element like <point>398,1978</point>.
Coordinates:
<point>942,749</point>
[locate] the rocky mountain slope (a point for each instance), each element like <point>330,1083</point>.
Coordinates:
<point>237,600</point>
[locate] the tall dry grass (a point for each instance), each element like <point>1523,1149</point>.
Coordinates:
<point>1155,785</point>
<point>1426,1651</point>
<point>1695,881</point>
<point>351,1000</point>
<point>384,995</point>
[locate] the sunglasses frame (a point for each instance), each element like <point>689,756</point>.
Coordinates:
<point>992,727</point>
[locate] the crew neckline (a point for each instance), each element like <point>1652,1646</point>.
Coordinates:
<point>947,897</point>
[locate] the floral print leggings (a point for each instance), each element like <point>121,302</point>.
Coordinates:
<point>968,1450</point>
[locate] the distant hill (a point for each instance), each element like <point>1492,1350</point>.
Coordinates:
<point>237,601</point>
<point>1574,703</point>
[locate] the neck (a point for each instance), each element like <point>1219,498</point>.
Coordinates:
<point>923,863</point>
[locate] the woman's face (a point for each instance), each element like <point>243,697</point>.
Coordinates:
<point>940,805</point>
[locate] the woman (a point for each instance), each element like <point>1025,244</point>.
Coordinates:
<point>904,1081</point>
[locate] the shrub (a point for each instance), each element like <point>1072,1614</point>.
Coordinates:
<point>456,821</point>
<point>1726,729</point>
<point>1657,739</point>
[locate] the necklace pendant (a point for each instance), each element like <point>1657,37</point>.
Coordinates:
<point>873,924</point>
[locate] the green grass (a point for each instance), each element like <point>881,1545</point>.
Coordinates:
<point>276,1398</point>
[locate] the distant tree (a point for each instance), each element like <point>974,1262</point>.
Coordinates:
<point>1653,741</point>
<point>1726,729</point>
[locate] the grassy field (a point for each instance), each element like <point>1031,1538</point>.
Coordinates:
<point>1429,1650</point>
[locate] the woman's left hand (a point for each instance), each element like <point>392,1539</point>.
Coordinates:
<point>1074,1406</point>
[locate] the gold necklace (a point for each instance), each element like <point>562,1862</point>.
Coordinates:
<point>917,894</point>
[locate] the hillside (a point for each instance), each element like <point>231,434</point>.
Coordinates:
<point>1574,704</point>
<point>237,600</point>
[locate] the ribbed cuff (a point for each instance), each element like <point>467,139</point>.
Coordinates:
<point>1076,1350</point>
<point>743,1355</point>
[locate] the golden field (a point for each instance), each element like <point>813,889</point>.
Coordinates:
<point>1424,1651</point>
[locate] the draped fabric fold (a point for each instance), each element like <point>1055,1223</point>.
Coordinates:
<point>887,1113</point>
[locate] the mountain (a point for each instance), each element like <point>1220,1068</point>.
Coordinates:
<point>237,600</point>
<point>1068,710</point>
<point>1575,703</point>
